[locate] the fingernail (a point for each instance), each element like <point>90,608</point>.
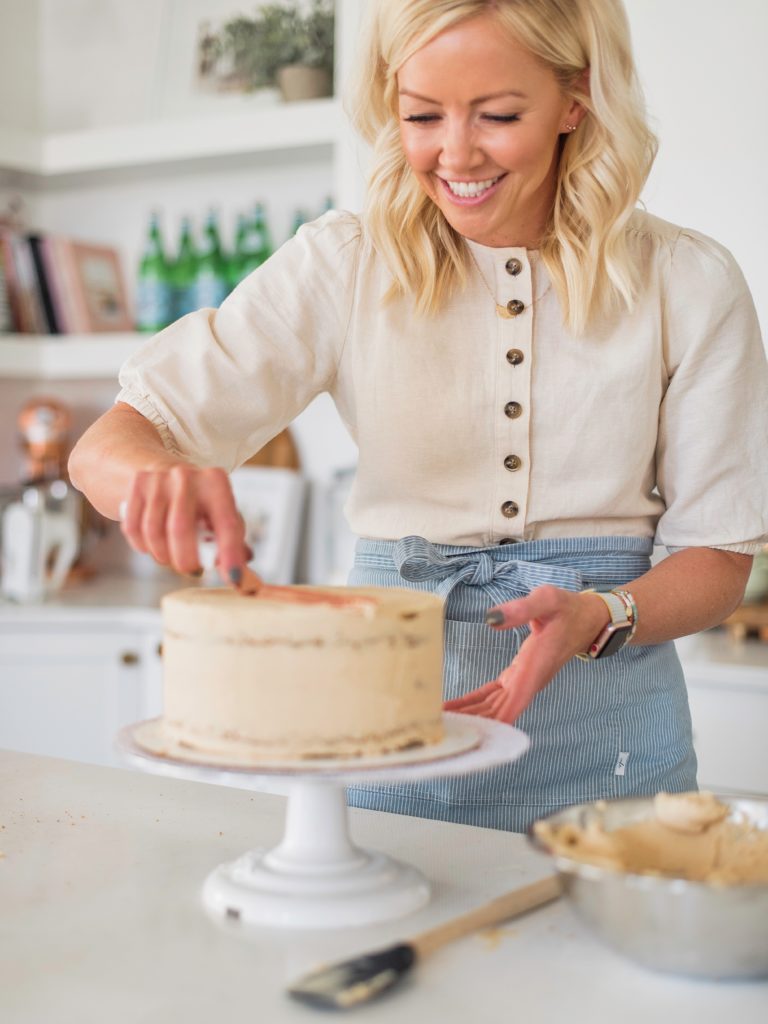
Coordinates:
<point>494,618</point>
<point>235,575</point>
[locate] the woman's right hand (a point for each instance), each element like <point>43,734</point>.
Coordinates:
<point>165,509</point>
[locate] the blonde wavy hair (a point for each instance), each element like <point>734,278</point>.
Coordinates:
<point>602,166</point>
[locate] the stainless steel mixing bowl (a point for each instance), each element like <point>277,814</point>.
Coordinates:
<point>668,924</point>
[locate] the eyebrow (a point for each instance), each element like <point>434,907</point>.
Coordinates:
<point>480,99</point>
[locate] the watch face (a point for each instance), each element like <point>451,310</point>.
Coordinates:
<point>616,640</point>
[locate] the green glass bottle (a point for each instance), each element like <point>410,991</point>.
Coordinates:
<point>211,284</point>
<point>237,256</point>
<point>262,241</point>
<point>184,272</point>
<point>253,245</point>
<point>300,217</point>
<point>153,287</point>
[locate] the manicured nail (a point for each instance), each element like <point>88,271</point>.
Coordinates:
<point>235,575</point>
<point>494,618</point>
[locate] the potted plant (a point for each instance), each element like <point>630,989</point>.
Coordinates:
<point>289,43</point>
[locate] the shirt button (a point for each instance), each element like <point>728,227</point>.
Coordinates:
<point>510,509</point>
<point>515,356</point>
<point>515,307</point>
<point>513,462</point>
<point>513,410</point>
<point>513,267</point>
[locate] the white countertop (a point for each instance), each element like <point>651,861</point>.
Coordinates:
<point>102,920</point>
<point>133,598</point>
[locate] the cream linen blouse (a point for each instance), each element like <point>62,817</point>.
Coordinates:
<point>473,429</point>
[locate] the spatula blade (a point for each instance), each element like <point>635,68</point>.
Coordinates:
<point>347,984</point>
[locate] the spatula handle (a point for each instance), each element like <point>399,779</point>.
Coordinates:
<point>501,909</point>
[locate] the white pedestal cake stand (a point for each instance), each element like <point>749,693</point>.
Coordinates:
<point>316,877</point>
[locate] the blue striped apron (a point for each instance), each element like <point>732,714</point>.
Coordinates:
<point>600,730</point>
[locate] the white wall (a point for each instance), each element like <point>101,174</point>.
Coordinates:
<point>19,68</point>
<point>117,46</point>
<point>705,74</point>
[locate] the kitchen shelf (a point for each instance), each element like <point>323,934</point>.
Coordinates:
<point>66,356</point>
<point>264,129</point>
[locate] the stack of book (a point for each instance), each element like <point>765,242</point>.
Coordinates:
<point>61,286</point>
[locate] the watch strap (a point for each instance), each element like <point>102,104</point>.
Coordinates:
<point>618,631</point>
<point>615,605</point>
<point>631,607</point>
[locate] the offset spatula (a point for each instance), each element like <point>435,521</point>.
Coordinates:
<point>251,585</point>
<point>347,984</point>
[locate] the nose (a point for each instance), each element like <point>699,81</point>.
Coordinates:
<point>460,152</point>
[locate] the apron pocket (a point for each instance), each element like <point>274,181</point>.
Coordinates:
<point>476,654</point>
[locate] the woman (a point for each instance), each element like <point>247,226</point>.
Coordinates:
<point>541,380</point>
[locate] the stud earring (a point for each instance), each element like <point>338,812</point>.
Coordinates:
<point>571,127</point>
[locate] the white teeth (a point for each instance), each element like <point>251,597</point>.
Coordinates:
<point>471,188</point>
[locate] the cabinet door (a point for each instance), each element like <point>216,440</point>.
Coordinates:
<point>66,691</point>
<point>151,694</point>
<point>730,726</point>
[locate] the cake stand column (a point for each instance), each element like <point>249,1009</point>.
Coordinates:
<point>316,877</point>
<point>316,831</point>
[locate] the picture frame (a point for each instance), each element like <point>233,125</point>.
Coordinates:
<point>271,501</point>
<point>98,296</point>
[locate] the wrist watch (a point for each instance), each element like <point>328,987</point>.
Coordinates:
<point>618,631</point>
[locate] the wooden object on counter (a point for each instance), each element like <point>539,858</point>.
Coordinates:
<point>748,619</point>
<point>279,453</point>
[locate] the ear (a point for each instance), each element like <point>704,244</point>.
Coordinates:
<point>575,112</point>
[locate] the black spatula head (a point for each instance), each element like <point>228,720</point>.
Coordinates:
<point>355,981</point>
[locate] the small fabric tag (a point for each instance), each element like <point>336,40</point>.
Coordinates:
<point>621,764</point>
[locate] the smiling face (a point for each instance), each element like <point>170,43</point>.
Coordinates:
<point>480,119</point>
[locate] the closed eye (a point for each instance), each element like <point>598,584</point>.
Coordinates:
<point>430,118</point>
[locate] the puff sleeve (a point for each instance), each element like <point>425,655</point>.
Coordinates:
<point>219,384</point>
<point>712,451</point>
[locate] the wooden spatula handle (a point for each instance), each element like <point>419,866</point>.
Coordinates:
<point>500,909</point>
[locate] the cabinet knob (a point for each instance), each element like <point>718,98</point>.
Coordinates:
<point>129,658</point>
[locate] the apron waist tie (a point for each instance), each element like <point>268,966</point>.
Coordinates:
<point>418,560</point>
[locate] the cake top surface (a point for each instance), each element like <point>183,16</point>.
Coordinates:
<point>389,600</point>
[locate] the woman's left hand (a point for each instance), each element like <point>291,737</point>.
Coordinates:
<point>562,624</point>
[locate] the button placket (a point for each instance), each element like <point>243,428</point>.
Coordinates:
<point>513,275</point>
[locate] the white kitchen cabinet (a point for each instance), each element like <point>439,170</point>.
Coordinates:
<point>728,695</point>
<point>730,726</point>
<point>67,687</point>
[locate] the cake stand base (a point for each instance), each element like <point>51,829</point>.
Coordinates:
<point>316,877</point>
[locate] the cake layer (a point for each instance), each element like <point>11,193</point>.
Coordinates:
<point>303,680</point>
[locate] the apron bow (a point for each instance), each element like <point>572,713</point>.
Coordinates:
<point>503,578</point>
